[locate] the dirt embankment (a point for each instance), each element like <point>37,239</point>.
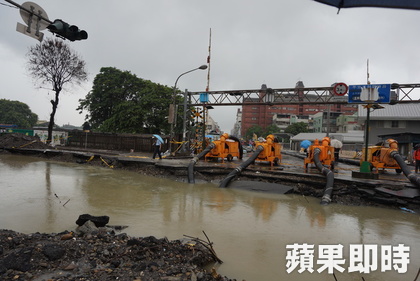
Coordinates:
<point>21,141</point>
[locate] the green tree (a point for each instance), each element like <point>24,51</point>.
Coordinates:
<point>17,113</point>
<point>154,102</point>
<point>296,128</point>
<point>120,102</point>
<point>271,129</point>
<point>53,63</point>
<point>110,88</point>
<point>255,129</point>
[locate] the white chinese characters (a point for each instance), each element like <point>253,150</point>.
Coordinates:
<point>362,258</point>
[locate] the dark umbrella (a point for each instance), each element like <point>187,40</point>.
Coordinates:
<point>399,4</point>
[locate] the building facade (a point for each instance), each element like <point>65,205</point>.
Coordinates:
<point>265,114</point>
<point>236,131</point>
<point>347,123</point>
<point>212,127</point>
<point>395,119</point>
<point>325,122</point>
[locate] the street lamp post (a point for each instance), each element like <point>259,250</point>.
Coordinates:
<point>184,125</point>
<point>172,108</point>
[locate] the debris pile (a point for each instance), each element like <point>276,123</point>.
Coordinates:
<point>98,253</point>
<point>16,140</point>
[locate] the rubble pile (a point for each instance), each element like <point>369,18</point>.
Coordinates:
<point>16,140</point>
<point>98,253</point>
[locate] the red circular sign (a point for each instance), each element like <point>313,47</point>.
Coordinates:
<point>340,89</point>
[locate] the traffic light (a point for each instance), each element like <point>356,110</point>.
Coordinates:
<point>66,31</point>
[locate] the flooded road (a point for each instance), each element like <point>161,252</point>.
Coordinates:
<point>253,233</point>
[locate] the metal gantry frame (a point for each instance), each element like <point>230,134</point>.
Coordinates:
<point>401,93</point>
<point>404,93</point>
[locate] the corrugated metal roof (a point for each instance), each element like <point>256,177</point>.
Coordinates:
<point>308,136</point>
<point>409,111</point>
<point>353,137</point>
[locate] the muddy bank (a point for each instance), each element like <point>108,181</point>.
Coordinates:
<point>92,253</point>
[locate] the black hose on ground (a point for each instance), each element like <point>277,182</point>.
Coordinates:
<point>415,179</point>
<point>237,171</point>
<point>326,198</point>
<point>195,159</point>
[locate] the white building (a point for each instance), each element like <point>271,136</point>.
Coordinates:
<point>236,131</point>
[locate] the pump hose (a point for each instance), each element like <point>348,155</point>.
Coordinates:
<point>326,199</point>
<point>241,150</point>
<point>194,160</point>
<point>415,179</point>
<point>237,171</point>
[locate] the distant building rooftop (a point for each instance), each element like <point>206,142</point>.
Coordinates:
<point>407,111</point>
<point>352,137</point>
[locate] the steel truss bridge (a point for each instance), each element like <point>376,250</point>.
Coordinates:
<point>400,93</point>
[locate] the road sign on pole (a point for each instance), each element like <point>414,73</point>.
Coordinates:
<point>35,18</point>
<point>340,89</point>
<point>30,32</point>
<point>376,93</point>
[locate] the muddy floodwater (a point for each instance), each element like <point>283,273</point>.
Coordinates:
<point>253,233</point>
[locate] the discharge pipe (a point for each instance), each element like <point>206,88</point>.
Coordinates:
<point>407,171</point>
<point>205,151</point>
<point>237,171</point>
<point>326,199</point>
<point>241,150</point>
<point>194,160</point>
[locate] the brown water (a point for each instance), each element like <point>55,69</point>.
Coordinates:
<point>250,230</point>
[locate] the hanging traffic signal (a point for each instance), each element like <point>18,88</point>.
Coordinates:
<point>66,31</point>
<point>77,34</point>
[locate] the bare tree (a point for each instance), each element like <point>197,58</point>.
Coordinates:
<point>53,62</point>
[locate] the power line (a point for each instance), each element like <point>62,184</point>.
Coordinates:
<point>10,6</point>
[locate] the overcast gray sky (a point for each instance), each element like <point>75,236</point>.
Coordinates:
<point>273,42</point>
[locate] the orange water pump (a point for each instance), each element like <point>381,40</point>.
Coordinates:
<point>326,155</point>
<point>224,148</point>
<point>271,150</point>
<point>379,156</point>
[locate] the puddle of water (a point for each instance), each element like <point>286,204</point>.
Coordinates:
<point>250,230</point>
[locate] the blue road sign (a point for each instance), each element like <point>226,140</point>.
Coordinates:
<point>384,91</point>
